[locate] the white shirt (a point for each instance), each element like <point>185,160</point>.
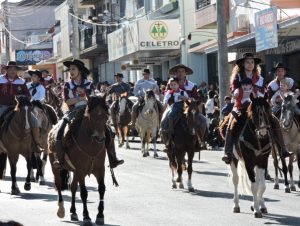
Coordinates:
<point>40,92</point>
<point>175,95</point>
<point>142,86</point>
<point>210,106</point>
<point>279,93</point>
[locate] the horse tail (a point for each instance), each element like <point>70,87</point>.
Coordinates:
<point>65,177</point>
<point>3,158</point>
<point>51,113</point>
<point>244,179</point>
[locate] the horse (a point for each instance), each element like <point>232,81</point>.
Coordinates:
<point>16,128</point>
<point>84,155</point>
<point>47,117</point>
<point>147,123</point>
<point>53,98</point>
<point>190,127</point>
<point>290,131</point>
<point>123,118</point>
<point>251,154</point>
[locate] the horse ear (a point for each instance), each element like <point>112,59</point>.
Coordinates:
<point>266,96</point>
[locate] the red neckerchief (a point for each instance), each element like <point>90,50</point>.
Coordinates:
<point>174,91</point>
<point>9,84</point>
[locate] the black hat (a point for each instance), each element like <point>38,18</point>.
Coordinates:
<point>246,81</point>
<point>248,56</point>
<point>119,75</point>
<point>279,65</point>
<point>36,72</point>
<point>12,64</point>
<point>45,71</point>
<point>146,71</point>
<point>173,70</point>
<point>77,63</point>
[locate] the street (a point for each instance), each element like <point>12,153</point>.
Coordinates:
<point>145,197</point>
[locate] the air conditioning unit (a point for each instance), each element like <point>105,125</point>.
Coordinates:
<point>243,23</point>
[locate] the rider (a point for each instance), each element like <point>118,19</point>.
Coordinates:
<point>247,67</point>
<point>36,89</point>
<point>10,86</point>
<point>140,87</point>
<point>76,91</point>
<point>117,89</point>
<point>47,80</point>
<point>174,98</point>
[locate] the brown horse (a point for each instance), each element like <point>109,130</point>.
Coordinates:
<point>53,98</point>
<point>17,139</point>
<point>123,118</point>
<point>85,155</point>
<point>187,130</point>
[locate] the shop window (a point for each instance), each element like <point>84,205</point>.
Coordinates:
<point>107,6</point>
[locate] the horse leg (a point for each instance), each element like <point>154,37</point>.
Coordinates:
<point>298,161</point>
<point>44,161</point>
<point>39,163</point>
<point>290,167</point>
<point>27,185</point>
<point>154,145</point>
<point>260,175</point>
<point>256,201</point>
<point>84,195</point>
<point>121,136</point>
<point>13,169</point>
<point>284,170</point>
<point>190,170</point>
<point>235,181</point>
<point>127,138</point>
<point>180,160</point>
<point>74,185</point>
<point>143,140</point>
<point>147,141</point>
<point>101,190</point>
<point>276,179</point>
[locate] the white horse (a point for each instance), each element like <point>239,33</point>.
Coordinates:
<point>148,122</point>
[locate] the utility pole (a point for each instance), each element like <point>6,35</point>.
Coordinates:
<point>73,4</point>
<point>223,72</point>
<point>6,24</point>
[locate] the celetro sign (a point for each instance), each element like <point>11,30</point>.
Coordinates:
<point>33,56</point>
<point>158,34</point>
<point>266,36</point>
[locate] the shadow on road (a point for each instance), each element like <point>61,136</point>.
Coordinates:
<point>282,219</point>
<point>212,173</point>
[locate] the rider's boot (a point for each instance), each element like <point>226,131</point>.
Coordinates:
<point>59,150</point>
<point>111,151</point>
<point>229,142</point>
<point>36,133</point>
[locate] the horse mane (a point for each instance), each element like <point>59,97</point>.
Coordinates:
<point>259,101</point>
<point>150,94</point>
<point>21,102</point>
<point>37,103</point>
<point>96,101</point>
<point>51,113</point>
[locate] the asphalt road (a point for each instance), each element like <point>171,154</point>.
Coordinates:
<point>145,197</point>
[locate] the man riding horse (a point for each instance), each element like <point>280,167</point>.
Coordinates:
<point>141,86</point>
<point>47,80</point>
<point>247,67</point>
<point>76,92</point>
<point>116,90</point>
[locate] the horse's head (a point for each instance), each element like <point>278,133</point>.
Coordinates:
<point>259,113</point>
<point>123,105</point>
<point>97,114</point>
<point>191,112</point>
<point>24,108</point>
<point>150,102</point>
<point>287,111</point>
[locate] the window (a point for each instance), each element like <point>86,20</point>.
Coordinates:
<point>107,6</point>
<point>202,3</point>
<point>140,3</point>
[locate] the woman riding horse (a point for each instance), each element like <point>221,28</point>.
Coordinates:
<point>76,92</point>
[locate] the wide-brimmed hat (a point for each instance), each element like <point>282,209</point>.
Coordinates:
<point>119,75</point>
<point>12,64</point>
<point>146,71</point>
<point>173,70</point>
<point>36,72</point>
<point>248,56</point>
<point>79,64</point>
<point>279,65</point>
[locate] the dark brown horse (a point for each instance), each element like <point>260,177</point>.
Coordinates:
<point>53,98</point>
<point>85,155</point>
<point>187,131</point>
<point>17,140</point>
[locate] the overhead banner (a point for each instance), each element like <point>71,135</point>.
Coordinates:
<point>32,56</point>
<point>266,36</point>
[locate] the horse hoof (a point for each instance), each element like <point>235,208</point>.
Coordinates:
<point>27,186</point>
<point>61,210</point>
<point>276,186</point>
<point>191,189</point>
<point>181,186</point>
<point>174,186</point>
<point>252,208</point>
<point>87,222</point>
<point>287,190</point>
<point>99,221</point>
<point>293,188</point>
<point>32,180</point>
<point>299,184</point>
<point>155,155</point>
<point>148,154</point>
<point>236,209</point>
<point>42,182</point>
<point>258,215</point>
<point>145,155</point>
<point>264,210</point>
<point>268,177</point>
<point>15,191</point>
<point>74,217</point>
<point>127,147</point>
<point>121,145</point>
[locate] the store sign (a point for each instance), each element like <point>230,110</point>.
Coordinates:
<point>285,48</point>
<point>158,35</point>
<point>32,57</point>
<point>266,36</point>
